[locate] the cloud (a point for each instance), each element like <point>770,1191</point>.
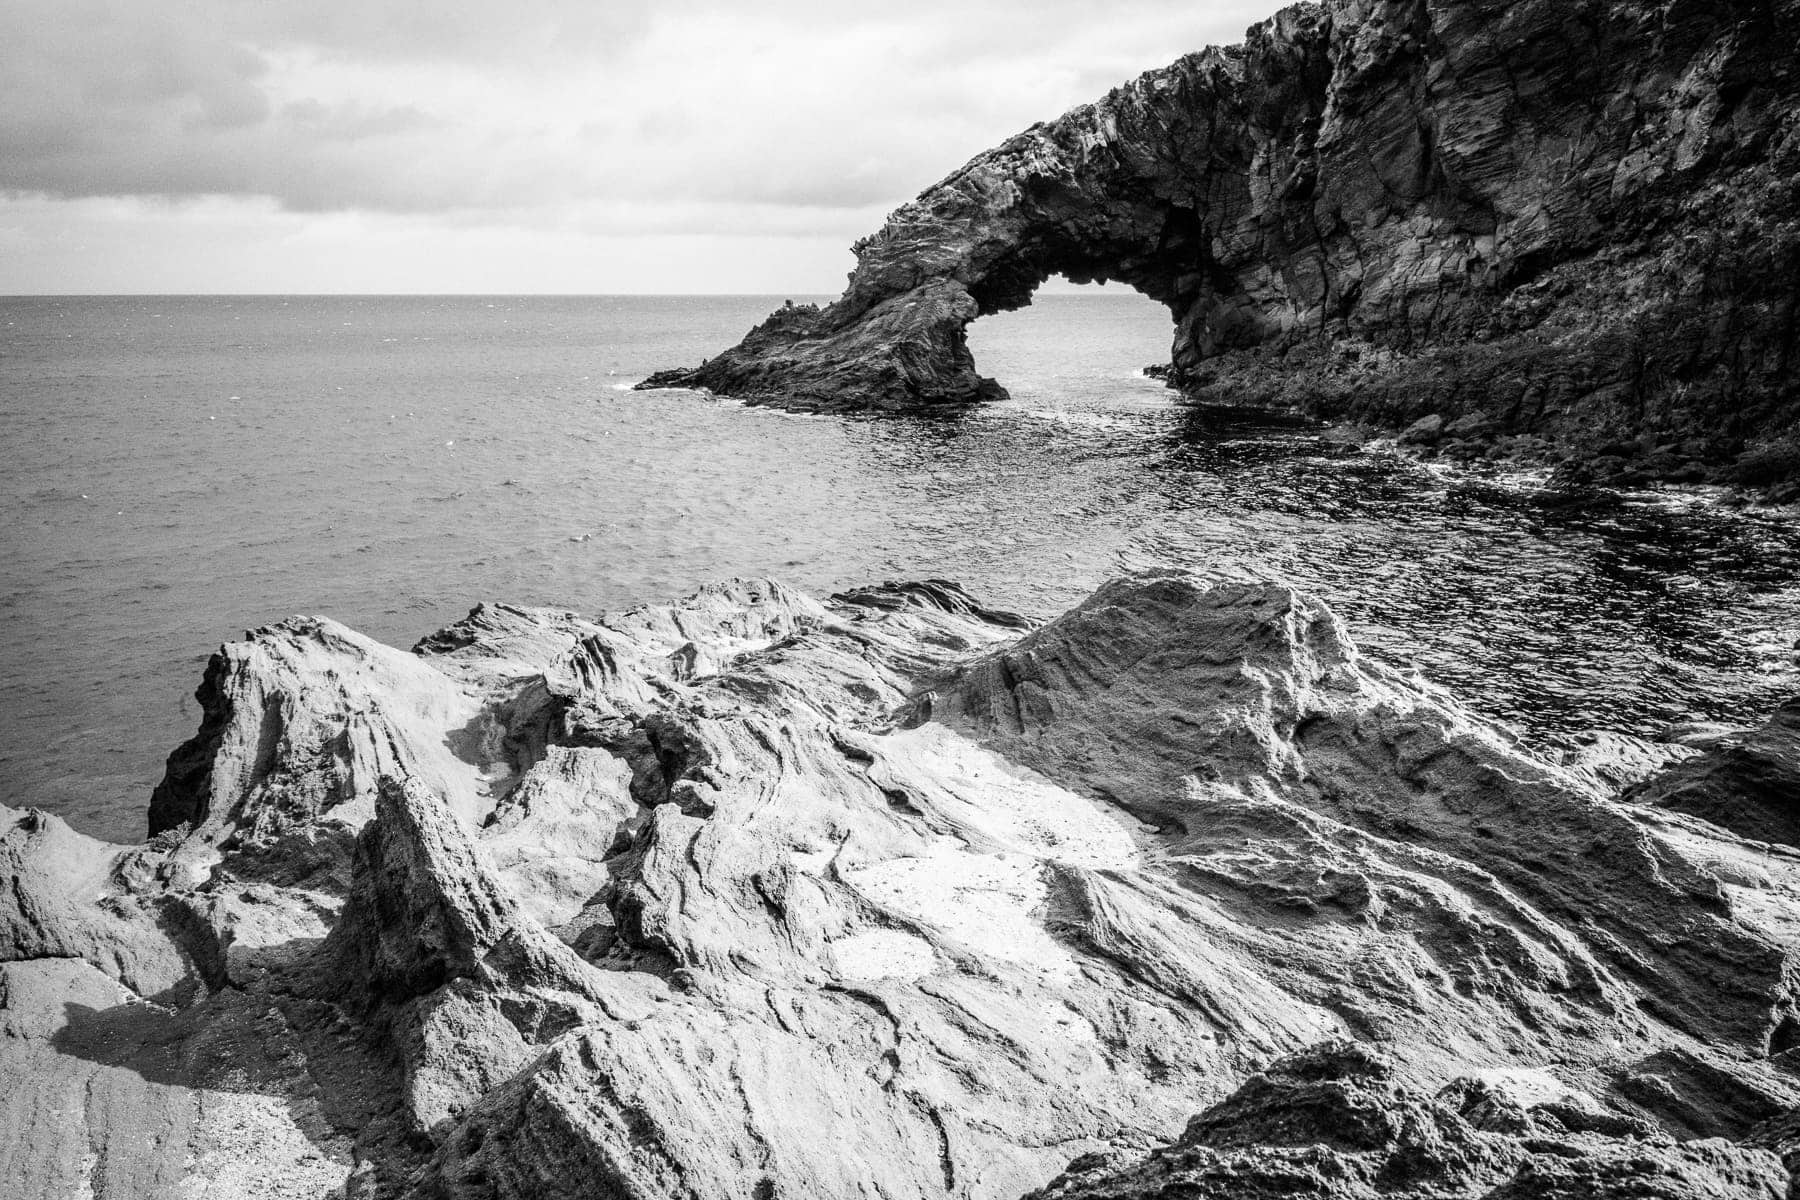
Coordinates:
<point>231,244</point>
<point>557,128</point>
<point>470,32</point>
<point>554,106</point>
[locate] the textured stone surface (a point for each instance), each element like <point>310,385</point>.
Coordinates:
<point>890,894</point>
<point>1333,1123</point>
<point>1748,782</point>
<point>1581,218</point>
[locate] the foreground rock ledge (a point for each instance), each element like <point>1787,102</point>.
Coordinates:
<point>1573,219</point>
<point>890,895</point>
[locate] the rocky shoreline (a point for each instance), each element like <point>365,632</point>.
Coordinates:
<point>1568,224</point>
<point>752,894</point>
<point>1592,477</point>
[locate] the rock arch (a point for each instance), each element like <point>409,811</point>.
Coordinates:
<point>1557,212</point>
<point>1135,188</point>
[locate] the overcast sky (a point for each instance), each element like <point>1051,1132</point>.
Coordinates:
<point>518,146</point>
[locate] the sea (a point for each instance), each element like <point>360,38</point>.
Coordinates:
<point>181,469</point>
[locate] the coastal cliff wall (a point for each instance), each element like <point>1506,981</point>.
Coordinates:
<point>1580,217</point>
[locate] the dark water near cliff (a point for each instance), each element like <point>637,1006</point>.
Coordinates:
<point>180,469</point>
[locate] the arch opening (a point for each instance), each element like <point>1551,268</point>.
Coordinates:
<point>1072,338</point>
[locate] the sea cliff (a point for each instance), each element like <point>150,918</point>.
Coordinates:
<point>1579,221</point>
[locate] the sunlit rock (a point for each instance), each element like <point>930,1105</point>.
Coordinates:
<point>756,894</point>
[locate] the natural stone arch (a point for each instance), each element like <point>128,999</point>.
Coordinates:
<point>1573,217</point>
<point>1134,189</point>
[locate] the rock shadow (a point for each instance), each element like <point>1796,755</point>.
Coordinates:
<point>336,1084</point>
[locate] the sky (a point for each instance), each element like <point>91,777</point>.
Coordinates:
<point>563,146</point>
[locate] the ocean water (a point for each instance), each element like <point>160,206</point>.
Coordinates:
<point>181,469</point>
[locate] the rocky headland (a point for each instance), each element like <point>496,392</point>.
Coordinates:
<point>892,895</point>
<point>1574,228</point>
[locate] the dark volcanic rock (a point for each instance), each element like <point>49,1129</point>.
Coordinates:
<point>1333,1123</point>
<point>1747,782</point>
<point>1575,218</point>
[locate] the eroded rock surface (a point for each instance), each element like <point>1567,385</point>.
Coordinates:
<point>1748,781</point>
<point>890,894</point>
<point>1581,218</point>
<point>1334,1122</point>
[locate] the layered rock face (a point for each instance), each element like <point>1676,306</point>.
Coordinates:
<point>1579,218</point>
<point>888,895</point>
<point>1749,782</point>
<point>1333,1121</point>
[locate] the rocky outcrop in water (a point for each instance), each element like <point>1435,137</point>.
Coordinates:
<point>890,894</point>
<point>1575,219</point>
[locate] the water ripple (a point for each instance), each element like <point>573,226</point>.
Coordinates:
<point>391,461</point>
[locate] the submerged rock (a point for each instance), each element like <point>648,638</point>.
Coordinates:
<point>889,894</point>
<point>1572,220</point>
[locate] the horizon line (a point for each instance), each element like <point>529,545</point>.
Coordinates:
<point>1075,290</point>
